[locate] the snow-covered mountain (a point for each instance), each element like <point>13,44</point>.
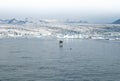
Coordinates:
<point>117,21</point>
<point>57,29</point>
<point>14,21</point>
<point>38,21</point>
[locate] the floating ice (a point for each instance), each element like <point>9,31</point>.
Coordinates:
<point>62,30</point>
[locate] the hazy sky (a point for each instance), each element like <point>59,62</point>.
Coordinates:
<point>91,10</point>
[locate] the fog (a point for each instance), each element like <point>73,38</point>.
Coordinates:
<point>96,11</point>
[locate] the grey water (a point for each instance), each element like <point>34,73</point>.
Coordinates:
<point>44,60</point>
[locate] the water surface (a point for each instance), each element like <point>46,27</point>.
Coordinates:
<point>45,60</point>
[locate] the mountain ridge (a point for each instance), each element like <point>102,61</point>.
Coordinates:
<point>116,22</point>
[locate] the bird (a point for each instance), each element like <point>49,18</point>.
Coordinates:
<point>60,43</point>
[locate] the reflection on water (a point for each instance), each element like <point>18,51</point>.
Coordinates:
<point>45,60</point>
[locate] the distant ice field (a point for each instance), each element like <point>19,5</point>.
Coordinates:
<point>62,30</point>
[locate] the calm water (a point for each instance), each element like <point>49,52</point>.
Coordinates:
<point>44,60</point>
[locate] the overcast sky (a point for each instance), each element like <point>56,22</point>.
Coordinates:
<point>91,10</point>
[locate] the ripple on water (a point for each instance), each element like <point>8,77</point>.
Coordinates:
<point>47,67</point>
<point>26,57</point>
<point>15,51</point>
<point>7,68</point>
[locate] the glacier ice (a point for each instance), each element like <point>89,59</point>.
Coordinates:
<point>61,30</point>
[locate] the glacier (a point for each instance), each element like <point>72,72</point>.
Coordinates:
<point>61,30</point>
